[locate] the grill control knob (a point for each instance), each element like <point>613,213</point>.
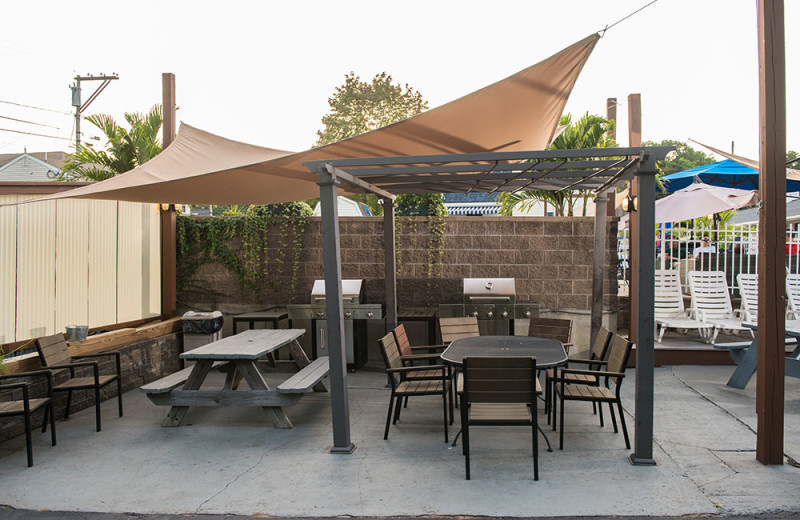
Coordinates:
<point>369,315</point>
<point>505,314</point>
<point>320,314</point>
<point>348,314</point>
<point>527,314</point>
<point>475,313</point>
<point>489,314</point>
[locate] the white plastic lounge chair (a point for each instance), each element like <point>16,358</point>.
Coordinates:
<point>748,291</point>
<point>711,302</point>
<point>793,293</point>
<point>669,310</point>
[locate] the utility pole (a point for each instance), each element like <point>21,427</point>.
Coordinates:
<point>76,98</point>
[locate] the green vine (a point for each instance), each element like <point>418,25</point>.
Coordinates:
<point>252,247</point>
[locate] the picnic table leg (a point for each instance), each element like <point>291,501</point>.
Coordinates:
<point>301,361</point>
<point>256,382</point>
<point>198,374</point>
<point>746,363</point>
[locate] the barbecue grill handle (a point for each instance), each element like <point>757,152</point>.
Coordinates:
<point>348,314</point>
<point>489,314</point>
<point>475,313</point>
<point>505,314</point>
<point>369,315</point>
<point>527,314</point>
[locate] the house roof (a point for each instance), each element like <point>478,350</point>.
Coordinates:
<point>56,159</point>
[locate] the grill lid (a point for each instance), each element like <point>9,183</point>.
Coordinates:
<point>489,287</point>
<point>351,291</point>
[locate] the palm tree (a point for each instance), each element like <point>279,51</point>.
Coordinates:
<point>126,149</point>
<point>589,131</point>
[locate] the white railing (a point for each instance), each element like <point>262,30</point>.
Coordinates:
<point>731,249</point>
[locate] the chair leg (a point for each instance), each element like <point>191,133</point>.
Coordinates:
<point>547,396</point>
<point>444,413</point>
<point>97,406</point>
<point>52,422</point>
<point>602,424</point>
<point>554,406</point>
<point>47,411</point>
<point>613,416</point>
<point>561,433</point>
<point>28,439</point>
<point>465,436</point>
<point>535,432</point>
<point>69,401</point>
<point>119,395</point>
<point>397,407</point>
<point>405,402</point>
<point>624,428</point>
<point>388,417</point>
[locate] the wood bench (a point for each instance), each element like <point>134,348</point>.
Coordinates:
<point>307,378</point>
<point>169,383</point>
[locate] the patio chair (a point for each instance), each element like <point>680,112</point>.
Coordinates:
<point>711,303</point>
<point>748,291</point>
<point>54,356</point>
<point>404,387</point>
<point>670,312</point>
<point>409,355</point>
<point>499,391</point>
<point>25,405</point>
<point>598,352</point>
<point>613,372</point>
<point>552,328</point>
<point>793,295</point>
<point>456,328</point>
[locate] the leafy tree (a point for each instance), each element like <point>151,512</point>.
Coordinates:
<point>683,158</point>
<point>423,205</point>
<point>791,155</point>
<point>125,150</point>
<point>590,131</point>
<point>359,106</point>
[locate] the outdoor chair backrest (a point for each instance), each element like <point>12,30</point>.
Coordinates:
<point>457,328</point>
<point>668,297</point>
<point>500,379</point>
<point>391,356</point>
<point>53,350</point>
<point>401,338</point>
<point>793,292</point>
<point>710,294</point>
<point>552,328</point>
<point>600,346</point>
<point>748,290</point>
<point>619,351</point>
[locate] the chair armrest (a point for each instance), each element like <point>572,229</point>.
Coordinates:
<point>587,361</point>
<point>415,369</point>
<point>600,373</point>
<point>13,386</point>
<point>34,373</point>
<point>421,357</point>
<point>115,355</point>
<point>429,347</point>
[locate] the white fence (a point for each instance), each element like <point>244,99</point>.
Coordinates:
<point>731,249</point>
<point>76,262</point>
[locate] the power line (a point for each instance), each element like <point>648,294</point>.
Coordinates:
<point>607,27</point>
<point>37,135</point>
<point>37,108</point>
<point>29,122</point>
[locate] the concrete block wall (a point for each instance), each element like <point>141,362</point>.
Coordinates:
<point>140,363</point>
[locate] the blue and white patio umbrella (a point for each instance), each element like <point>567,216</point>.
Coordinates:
<point>727,173</point>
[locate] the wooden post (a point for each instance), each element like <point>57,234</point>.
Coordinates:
<point>611,115</point>
<point>634,139</point>
<point>771,225</point>
<point>390,264</point>
<point>599,264</point>
<point>169,273</point>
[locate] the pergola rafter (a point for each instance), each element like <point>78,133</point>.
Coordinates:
<point>598,169</point>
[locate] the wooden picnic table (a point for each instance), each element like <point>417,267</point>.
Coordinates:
<point>745,355</point>
<point>241,356</point>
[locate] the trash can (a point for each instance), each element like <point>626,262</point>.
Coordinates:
<point>77,332</point>
<point>201,328</point>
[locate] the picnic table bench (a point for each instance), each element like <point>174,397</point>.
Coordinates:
<point>240,357</point>
<point>745,355</point>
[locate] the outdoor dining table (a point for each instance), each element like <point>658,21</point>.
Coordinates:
<point>746,357</point>
<point>549,353</point>
<point>241,354</point>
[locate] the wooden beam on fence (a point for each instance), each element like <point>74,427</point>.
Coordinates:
<point>634,139</point>
<point>772,224</point>
<point>611,115</point>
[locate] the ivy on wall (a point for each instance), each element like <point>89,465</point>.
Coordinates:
<point>253,247</point>
<point>428,205</point>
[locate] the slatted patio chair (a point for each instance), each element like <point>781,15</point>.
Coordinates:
<point>793,295</point>
<point>613,371</point>
<point>500,391</point>
<point>403,387</point>
<point>54,356</point>
<point>558,329</point>
<point>427,355</point>
<point>15,400</point>
<point>456,328</point>
<point>748,291</point>
<point>670,312</point>
<point>598,352</point>
<point>711,303</point>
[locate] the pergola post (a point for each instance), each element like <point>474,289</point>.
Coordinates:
<point>340,410</point>
<point>645,276</point>
<point>390,263</point>
<point>598,271</point>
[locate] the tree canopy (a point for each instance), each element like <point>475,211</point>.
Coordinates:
<point>683,158</point>
<point>125,149</point>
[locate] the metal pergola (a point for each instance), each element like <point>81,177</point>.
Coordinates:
<point>597,169</point>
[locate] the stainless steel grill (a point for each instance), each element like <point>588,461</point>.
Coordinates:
<point>494,302</point>
<point>356,312</point>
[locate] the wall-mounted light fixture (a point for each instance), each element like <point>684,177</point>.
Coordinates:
<point>167,207</point>
<point>630,203</point>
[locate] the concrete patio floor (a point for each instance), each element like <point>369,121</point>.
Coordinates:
<point>232,461</point>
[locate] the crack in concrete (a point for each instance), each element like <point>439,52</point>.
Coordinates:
<point>726,412</point>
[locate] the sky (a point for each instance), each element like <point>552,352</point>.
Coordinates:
<point>262,71</point>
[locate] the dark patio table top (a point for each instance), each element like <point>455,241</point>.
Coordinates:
<point>548,352</point>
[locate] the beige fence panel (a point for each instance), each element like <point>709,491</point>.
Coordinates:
<point>36,268</point>
<point>102,293</point>
<point>8,269</point>
<point>133,250</point>
<point>154,269</point>
<point>72,263</point>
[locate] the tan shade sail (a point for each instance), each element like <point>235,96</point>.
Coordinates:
<point>520,112</point>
